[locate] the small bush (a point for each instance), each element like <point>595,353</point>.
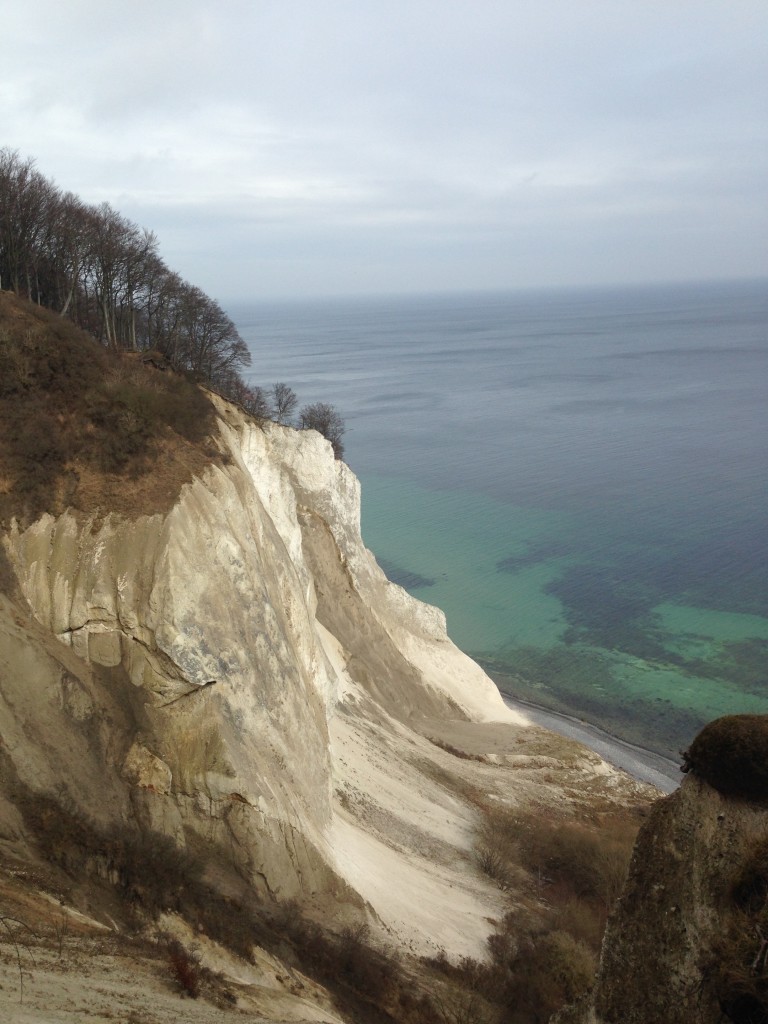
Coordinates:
<point>184,969</point>
<point>553,972</point>
<point>731,754</point>
<point>502,868</point>
<point>580,919</point>
<point>568,858</point>
<point>326,420</point>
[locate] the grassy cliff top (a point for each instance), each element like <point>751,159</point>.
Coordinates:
<point>88,428</point>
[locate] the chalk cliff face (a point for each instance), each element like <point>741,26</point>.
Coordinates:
<point>218,662</point>
<point>240,676</point>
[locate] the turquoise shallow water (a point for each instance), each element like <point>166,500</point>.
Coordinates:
<point>455,542</point>
<point>700,662</point>
<point>578,479</point>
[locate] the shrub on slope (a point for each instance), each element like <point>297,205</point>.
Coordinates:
<point>731,754</point>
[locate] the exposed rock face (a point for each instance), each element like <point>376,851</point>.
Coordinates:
<point>239,675</point>
<point>666,950</point>
<point>209,651</point>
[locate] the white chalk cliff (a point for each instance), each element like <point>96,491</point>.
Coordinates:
<point>238,673</point>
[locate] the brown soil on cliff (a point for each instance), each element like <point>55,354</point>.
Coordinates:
<point>88,428</point>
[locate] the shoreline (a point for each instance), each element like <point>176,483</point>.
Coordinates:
<point>643,765</point>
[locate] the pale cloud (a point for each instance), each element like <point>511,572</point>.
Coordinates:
<point>295,146</point>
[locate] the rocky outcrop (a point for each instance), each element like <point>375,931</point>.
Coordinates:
<point>686,942</point>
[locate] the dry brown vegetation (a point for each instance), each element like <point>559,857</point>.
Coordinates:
<point>185,968</point>
<point>569,858</point>
<point>88,427</point>
<point>731,754</point>
<point>559,869</point>
<point>449,748</point>
<point>557,876</point>
<point>149,875</point>
<point>560,878</point>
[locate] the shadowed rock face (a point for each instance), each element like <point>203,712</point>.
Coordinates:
<point>686,942</point>
<point>731,754</point>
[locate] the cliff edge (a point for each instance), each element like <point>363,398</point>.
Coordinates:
<point>228,682</point>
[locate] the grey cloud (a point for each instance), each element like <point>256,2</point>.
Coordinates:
<point>308,146</point>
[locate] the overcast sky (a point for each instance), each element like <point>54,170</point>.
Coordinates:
<point>307,147</point>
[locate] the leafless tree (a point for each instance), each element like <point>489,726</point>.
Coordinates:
<point>284,402</point>
<point>213,347</point>
<point>100,269</point>
<point>26,199</point>
<point>326,420</point>
<point>252,398</point>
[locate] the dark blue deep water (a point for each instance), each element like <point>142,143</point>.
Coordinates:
<point>578,478</point>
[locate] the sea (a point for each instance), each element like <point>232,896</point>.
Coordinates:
<point>577,478</point>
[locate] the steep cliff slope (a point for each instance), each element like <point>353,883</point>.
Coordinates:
<point>236,624</point>
<point>233,674</point>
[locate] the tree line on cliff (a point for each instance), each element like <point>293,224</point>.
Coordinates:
<point>103,272</point>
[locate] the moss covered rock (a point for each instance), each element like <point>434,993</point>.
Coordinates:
<point>731,754</point>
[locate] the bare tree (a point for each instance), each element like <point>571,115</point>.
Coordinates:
<point>103,271</point>
<point>252,398</point>
<point>256,402</point>
<point>69,254</point>
<point>284,402</point>
<point>26,199</point>
<point>326,420</point>
<point>213,348</point>
<point>164,313</point>
<point>121,252</point>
